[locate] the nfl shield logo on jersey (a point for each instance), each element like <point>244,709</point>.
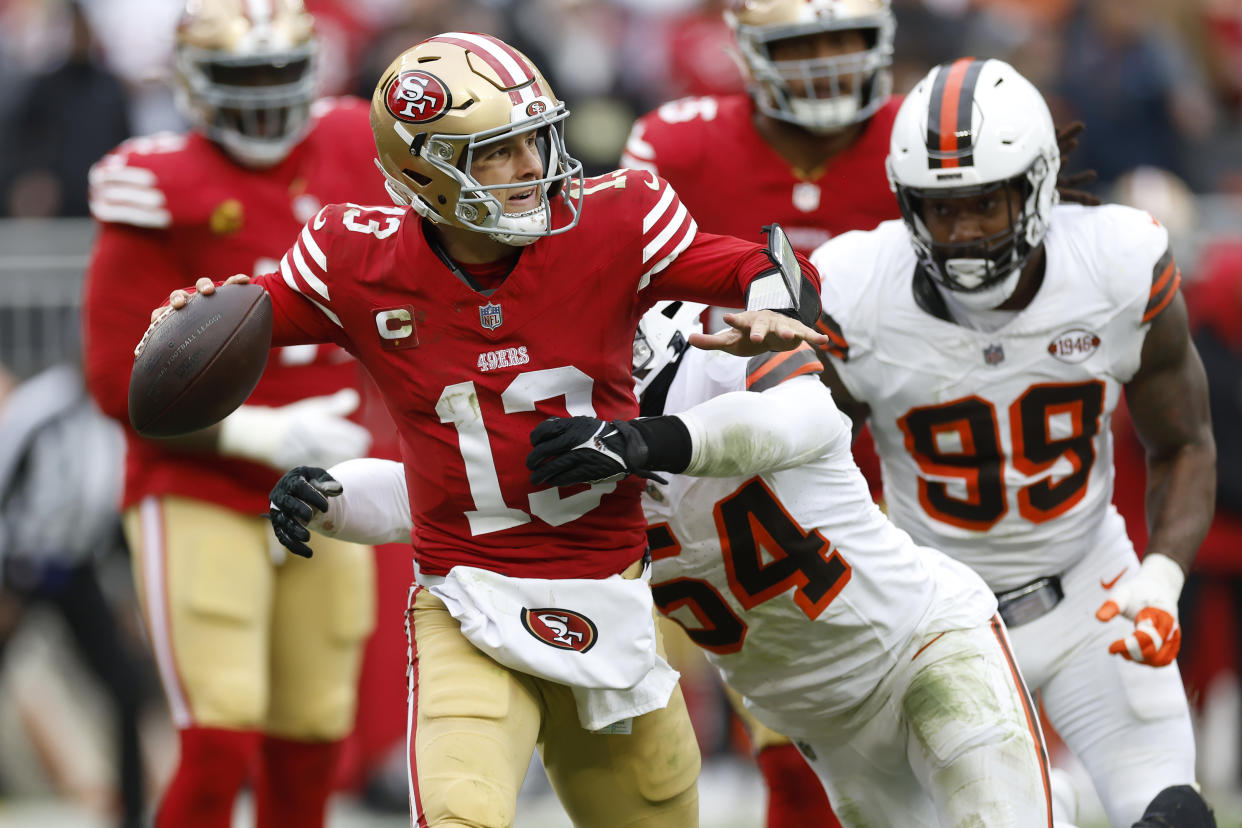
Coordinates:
<point>490,316</point>
<point>806,196</point>
<point>993,354</point>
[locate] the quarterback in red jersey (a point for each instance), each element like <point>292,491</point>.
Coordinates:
<point>504,290</point>
<point>804,148</point>
<point>259,656</point>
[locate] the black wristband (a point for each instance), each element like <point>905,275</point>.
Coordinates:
<point>668,443</point>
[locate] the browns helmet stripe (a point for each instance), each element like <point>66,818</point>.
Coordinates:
<point>950,141</point>
<point>1165,279</point>
<point>837,346</point>
<point>771,369</point>
<point>504,60</point>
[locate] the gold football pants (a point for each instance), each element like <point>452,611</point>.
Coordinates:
<point>244,643</point>
<point>476,723</point>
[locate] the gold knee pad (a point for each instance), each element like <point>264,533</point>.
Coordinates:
<point>204,577</point>
<point>646,777</point>
<point>477,723</point>
<point>323,613</point>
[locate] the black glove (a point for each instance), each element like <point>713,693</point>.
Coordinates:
<point>294,500</point>
<point>586,450</point>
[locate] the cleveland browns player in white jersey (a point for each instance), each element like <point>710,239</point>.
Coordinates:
<point>261,682</point>
<point>987,340</point>
<point>885,661</point>
<point>502,290</point>
<point>804,146</point>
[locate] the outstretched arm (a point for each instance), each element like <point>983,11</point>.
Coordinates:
<point>739,433</point>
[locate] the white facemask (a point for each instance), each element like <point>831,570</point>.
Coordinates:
<point>533,221</point>
<point>824,115</point>
<point>969,272</point>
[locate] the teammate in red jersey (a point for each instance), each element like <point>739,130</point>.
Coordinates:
<point>259,656</point>
<point>805,148</point>
<point>508,291</point>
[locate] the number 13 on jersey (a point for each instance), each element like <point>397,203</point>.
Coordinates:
<point>459,406</point>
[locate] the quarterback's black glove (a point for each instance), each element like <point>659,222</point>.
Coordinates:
<point>294,500</point>
<point>586,450</point>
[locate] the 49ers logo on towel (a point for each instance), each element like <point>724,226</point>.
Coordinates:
<point>417,97</point>
<point>560,628</point>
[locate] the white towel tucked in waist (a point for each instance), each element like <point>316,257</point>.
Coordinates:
<point>597,636</point>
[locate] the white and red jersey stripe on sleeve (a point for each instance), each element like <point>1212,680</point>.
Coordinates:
<point>304,267</point>
<point>668,229</point>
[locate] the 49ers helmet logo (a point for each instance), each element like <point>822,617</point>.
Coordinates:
<point>560,628</point>
<point>417,97</point>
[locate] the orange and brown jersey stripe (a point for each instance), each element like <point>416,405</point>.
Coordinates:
<point>1165,279</point>
<point>770,370</point>
<point>950,140</point>
<point>837,344</point>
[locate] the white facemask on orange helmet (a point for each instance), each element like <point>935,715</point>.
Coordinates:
<point>245,74</point>
<point>824,94</point>
<point>440,105</point>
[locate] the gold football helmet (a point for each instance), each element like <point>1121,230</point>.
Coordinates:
<point>246,76</point>
<point>443,102</point>
<point>820,94</point>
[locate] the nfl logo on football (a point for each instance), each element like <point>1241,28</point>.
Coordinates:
<point>993,354</point>
<point>490,316</point>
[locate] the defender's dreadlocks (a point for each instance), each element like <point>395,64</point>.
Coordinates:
<point>1069,185</point>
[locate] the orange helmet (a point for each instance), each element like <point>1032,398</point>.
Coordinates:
<point>245,74</point>
<point>785,89</point>
<point>441,103</point>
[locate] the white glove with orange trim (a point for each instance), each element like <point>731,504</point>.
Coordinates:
<point>1150,599</point>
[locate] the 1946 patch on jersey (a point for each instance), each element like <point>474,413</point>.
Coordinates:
<point>1074,345</point>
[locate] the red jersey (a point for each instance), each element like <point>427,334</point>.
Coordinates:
<point>468,375</point>
<point>734,182</point>
<point>173,207</point>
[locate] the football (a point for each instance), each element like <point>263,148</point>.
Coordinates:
<point>200,362</point>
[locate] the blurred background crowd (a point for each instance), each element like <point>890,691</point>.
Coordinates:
<point>1157,82</point>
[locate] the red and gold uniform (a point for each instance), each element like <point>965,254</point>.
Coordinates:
<point>468,375</point>
<point>247,643</point>
<point>734,182</point>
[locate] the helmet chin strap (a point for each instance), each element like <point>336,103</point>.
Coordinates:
<point>988,298</point>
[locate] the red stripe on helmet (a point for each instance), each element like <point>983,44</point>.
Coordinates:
<point>495,61</point>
